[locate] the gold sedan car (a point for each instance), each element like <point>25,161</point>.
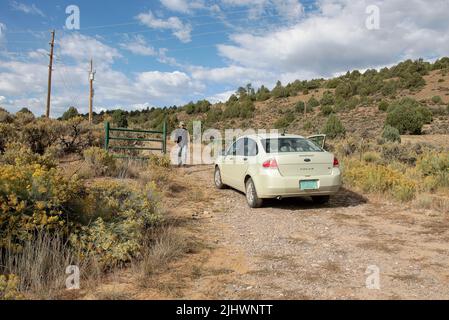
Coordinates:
<point>279,166</point>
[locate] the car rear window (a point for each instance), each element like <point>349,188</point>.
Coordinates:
<point>286,145</point>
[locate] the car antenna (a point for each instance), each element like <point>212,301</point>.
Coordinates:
<point>284,132</point>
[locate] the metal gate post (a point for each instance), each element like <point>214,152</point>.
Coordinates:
<point>106,129</point>
<point>164,138</point>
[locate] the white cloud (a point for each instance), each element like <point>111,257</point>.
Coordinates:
<point>28,9</point>
<point>290,9</point>
<point>179,29</point>
<point>336,39</point>
<point>233,75</point>
<point>221,97</point>
<point>82,48</point>
<point>139,46</point>
<point>24,83</point>
<point>183,6</point>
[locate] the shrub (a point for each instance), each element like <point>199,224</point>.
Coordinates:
<point>285,121</point>
<point>21,155</point>
<point>119,215</point>
<point>32,198</point>
<point>436,165</point>
<point>8,287</point>
<point>344,90</point>
<point>370,156</point>
<point>380,179</point>
<point>300,106</point>
<point>437,100</point>
<point>120,119</point>
<point>334,128</point>
<point>77,135</point>
<point>100,162</point>
<point>391,134</point>
<point>407,116</point>
<point>383,105</point>
<point>404,153</point>
<point>326,110</point>
<point>279,91</point>
<point>5,116</point>
<point>313,103</point>
<point>41,134</point>
<point>263,94</point>
<point>72,112</point>
<point>7,134</point>
<point>159,161</point>
<point>239,109</point>
<point>328,99</point>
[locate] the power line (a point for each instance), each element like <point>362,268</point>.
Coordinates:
<point>128,22</point>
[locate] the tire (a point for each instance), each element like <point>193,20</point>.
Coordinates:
<point>217,179</point>
<point>321,199</point>
<point>251,195</point>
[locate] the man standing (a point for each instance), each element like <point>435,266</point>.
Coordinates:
<point>182,141</point>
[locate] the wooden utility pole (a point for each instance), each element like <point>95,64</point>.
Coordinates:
<point>91,91</point>
<point>50,70</point>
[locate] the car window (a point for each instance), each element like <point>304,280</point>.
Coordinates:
<point>286,145</point>
<point>251,149</point>
<point>240,147</point>
<point>232,150</point>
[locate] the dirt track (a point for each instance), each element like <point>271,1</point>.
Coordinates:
<point>293,249</point>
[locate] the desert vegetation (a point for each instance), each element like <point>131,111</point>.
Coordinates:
<point>52,217</point>
<point>65,201</point>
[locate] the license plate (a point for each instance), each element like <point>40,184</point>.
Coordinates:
<point>308,185</point>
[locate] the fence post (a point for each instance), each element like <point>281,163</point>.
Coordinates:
<point>106,129</point>
<point>164,138</point>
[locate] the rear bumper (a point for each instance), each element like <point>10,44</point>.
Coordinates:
<point>270,184</point>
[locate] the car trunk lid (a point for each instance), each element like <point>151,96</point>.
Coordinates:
<point>305,164</point>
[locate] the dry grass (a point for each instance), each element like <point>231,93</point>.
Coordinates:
<point>427,201</point>
<point>41,266</point>
<point>163,246</point>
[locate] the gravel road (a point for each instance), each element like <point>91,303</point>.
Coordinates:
<point>293,249</point>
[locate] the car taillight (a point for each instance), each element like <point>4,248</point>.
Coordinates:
<point>272,163</point>
<point>336,163</point>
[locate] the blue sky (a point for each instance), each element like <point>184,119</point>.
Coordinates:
<point>168,52</point>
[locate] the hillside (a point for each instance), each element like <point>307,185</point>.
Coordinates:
<point>359,100</point>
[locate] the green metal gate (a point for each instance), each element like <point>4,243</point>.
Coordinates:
<point>108,138</point>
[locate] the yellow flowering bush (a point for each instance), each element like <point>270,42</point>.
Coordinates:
<point>8,287</point>
<point>100,162</point>
<point>159,161</point>
<point>379,178</point>
<point>115,216</point>
<point>34,197</point>
<point>434,168</point>
<point>19,154</point>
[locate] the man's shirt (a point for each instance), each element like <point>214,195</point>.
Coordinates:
<point>184,135</point>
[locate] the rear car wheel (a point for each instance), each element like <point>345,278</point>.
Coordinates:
<point>217,179</point>
<point>251,195</point>
<point>321,199</point>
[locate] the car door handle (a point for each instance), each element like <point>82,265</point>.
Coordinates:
<point>245,159</point>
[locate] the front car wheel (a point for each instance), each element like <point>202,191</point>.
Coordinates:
<point>217,179</point>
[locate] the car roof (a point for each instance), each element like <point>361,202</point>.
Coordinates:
<point>273,136</point>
